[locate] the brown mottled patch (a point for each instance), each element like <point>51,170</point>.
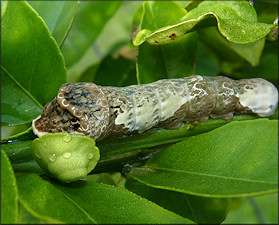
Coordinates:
<point>123,100</point>
<point>172,36</point>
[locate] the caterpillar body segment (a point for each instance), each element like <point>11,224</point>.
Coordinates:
<point>102,111</point>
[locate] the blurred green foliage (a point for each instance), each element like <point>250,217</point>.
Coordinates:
<point>45,44</point>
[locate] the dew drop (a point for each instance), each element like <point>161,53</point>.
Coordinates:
<point>38,155</point>
<point>67,138</point>
<point>52,158</point>
<point>67,155</point>
<point>90,156</point>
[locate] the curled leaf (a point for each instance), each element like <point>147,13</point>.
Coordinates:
<point>236,20</point>
<point>66,157</point>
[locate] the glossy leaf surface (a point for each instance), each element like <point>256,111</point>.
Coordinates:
<point>165,61</point>
<point>89,22</point>
<point>33,74</point>
<point>91,203</point>
<point>9,194</point>
<point>254,210</point>
<point>237,159</point>
<point>237,21</point>
<point>199,209</point>
<point>58,15</point>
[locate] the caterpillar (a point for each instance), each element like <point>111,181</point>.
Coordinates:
<point>103,111</point>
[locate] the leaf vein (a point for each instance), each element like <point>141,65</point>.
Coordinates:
<point>210,175</point>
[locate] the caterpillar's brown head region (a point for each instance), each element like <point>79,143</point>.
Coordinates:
<point>80,108</point>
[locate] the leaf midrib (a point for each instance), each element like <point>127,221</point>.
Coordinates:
<point>22,88</point>
<point>209,175</point>
<point>81,209</point>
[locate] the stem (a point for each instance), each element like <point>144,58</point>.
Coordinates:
<point>117,152</point>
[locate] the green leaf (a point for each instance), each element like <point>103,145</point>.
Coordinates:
<point>104,43</point>
<point>89,22</point>
<point>21,156</point>
<point>237,21</point>
<point>198,209</point>
<point>207,62</point>
<point>120,22</point>
<point>113,70</point>
<point>58,15</point>
<point>185,4</point>
<point>154,18</point>
<point>25,135</point>
<point>32,63</point>
<point>267,11</point>
<point>254,210</point>
<point>268,67</point>
<point>113,149</point>
<point>89,202</point>
<point>237,159</point>
<point>25,217</point>
<point>229,51</point>
<point>9,194</point>
<point>157,137</point>
<point>17,104</point>
<point>168,61</point>
<point>4,5</point>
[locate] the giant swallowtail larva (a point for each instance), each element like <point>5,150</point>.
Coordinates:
<point>99,112</point>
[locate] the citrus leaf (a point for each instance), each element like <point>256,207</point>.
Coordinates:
<point>32,63</point>
<point>17,104</point>
<point>230,51</point>
<point>199,209</point>
<point>9,194</point>
<point>89,202</point>
<point>236,20</point>
<point>113,71</point>
<point>158,137</point>
<point>25,135</point>
<point>89,22</point>
<point>4,5</point>
<point>237,159</point>
<point>254,210</point>
<point>58,15</point>
<point>169,61</point>
<point>21,156</point>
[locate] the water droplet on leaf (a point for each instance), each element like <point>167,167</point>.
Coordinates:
<point>90,155</point>
<point>67,138</point>
<point>67,155</point>
<point>38,155</point>
<point>52,158</point>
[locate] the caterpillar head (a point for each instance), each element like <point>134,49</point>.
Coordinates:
<point>80,108</point>
<point>258,96</point>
